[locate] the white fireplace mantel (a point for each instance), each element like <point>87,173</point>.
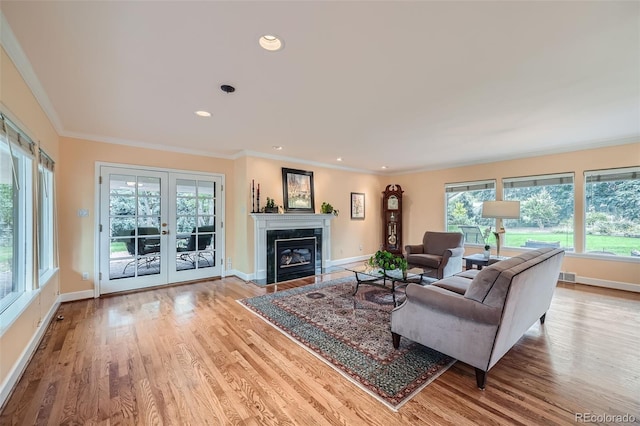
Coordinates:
<point>273,221</point>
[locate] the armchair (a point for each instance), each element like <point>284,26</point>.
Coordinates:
<point>191,252</point>
<point>145,245</point>
<point>440,254</point>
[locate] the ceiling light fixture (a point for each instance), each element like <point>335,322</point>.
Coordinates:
<point>270,42</point>
<point>203,113</point>
<point>339,159</point>
<point>277,147</point>
<point>384,167</point>
<point>228,89</point>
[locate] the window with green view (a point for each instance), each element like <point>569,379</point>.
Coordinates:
<point>612,212</point>
<point>464,206</point>
<point>546,211</point>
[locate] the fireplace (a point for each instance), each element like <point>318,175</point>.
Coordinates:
<point>293,253</point>
<point>294,258</point>
<point>270,227</point>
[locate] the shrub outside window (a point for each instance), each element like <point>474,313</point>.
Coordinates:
<point>612,212</point>
<point>546,211</point>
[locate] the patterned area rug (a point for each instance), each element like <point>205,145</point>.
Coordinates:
<point>352,335</point>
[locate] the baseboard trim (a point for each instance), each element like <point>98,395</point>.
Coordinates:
<point>347,260</point>
<point>239,274</point>
<point>18,369</point>
<point>76,295</point>
<point>615,285</point>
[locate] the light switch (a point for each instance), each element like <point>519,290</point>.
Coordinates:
<point>83,212</point>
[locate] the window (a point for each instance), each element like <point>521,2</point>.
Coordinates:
<point>612,212</point>
<point>464,207</point>
<point>15,214</point>
<point>45,215</point>
<point>546,211</point>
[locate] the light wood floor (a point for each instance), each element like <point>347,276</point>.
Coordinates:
<point>191,354</point>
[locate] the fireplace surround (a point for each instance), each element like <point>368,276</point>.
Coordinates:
<point>292,226</point>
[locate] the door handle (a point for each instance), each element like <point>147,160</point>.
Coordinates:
<point>165,232</point>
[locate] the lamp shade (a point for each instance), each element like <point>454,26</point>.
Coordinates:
<point>501,209</point>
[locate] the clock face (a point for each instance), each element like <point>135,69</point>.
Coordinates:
<point>392,203</point>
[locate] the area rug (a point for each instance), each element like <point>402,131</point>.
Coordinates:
<point>352,334</point>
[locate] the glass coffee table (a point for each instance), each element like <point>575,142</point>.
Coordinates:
<point>379,277</point>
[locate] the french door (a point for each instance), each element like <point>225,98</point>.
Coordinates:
<point>158,227</point>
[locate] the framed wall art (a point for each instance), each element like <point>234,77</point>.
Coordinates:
<point>297,188</point>
<point>357,206</point>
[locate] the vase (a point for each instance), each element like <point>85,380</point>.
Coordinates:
<point>487,254</point>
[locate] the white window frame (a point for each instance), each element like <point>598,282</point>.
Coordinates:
<point>462,187</point>
<point>45,223</point>
<point>540,181</point>
<point>626,173</point>
<point>23,263</point>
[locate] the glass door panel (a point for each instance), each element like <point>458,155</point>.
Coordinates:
<point>131,241</point>
<point>195,227</point>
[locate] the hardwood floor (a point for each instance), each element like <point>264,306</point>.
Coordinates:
<point>191,354</point>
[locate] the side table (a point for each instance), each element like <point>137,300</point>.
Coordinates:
<point>480,261</point>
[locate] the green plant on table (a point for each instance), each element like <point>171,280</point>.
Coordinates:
<point>388,261</point>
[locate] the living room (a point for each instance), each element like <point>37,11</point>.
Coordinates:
<point>424,201</point>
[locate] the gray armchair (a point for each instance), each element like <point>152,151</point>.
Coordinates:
<point>440,254</point>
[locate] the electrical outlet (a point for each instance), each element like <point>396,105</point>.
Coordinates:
<point>85,276</point>
<point>228,263</point>
<point>360,247</point>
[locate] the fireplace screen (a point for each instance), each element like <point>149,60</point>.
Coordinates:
<point>294,258</point>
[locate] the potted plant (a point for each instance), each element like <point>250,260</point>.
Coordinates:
<point>388,261</point>
<point>327,208</point>
<point>487,247</point>
<point>271,207</point>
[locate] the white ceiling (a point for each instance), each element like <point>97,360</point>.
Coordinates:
<point>410,85</point>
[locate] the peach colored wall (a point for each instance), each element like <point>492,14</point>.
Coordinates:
<point>424,199</point>
<point>331,185</point>
<point>242,250</point>
<point>20,105</point>
<point>77,189</point>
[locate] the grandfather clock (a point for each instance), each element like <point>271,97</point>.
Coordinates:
<point>392,219</point>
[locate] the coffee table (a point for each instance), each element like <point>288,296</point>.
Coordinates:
<point>379,277</point>
<point>479,260</point>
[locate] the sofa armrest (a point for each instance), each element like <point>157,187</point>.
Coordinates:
<point>449,302</point>
<point>414,249</point>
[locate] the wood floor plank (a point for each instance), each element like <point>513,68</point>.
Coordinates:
<point>191,354</point>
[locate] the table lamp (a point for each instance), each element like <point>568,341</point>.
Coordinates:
<point>499,210</point>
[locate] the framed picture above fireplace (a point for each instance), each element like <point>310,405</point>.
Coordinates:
<point>297,188</point>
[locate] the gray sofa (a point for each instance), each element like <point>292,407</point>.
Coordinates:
<point>477,316</point>
<point>439,255</point>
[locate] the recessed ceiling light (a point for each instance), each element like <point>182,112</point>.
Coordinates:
<point>270,42</point>
<point>339,159</point>
<point>384,167</point>
<point>277,147</point>
<point>203,113</point>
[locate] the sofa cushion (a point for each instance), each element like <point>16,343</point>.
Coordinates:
<point>455,283</point>
<point>469,273</point>
<point>487,277</point>
<point>423,259</point>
